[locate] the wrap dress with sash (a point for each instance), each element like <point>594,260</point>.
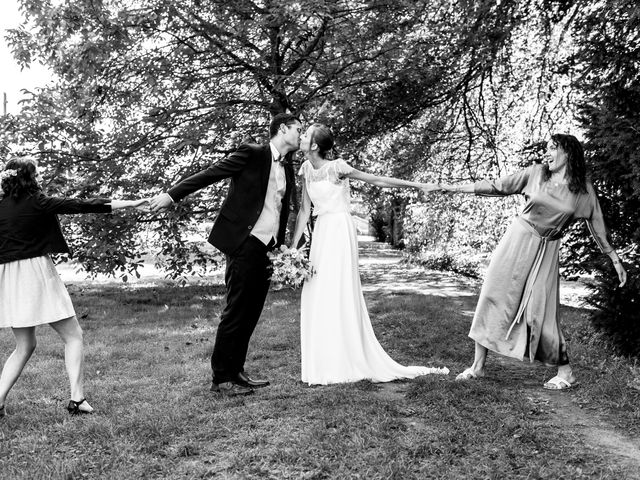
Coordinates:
<point>517,312</point>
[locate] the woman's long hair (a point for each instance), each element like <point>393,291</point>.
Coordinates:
<point>576,167</point>
<point>23,182</point>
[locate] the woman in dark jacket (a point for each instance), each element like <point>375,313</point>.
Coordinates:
<point>31,291</point>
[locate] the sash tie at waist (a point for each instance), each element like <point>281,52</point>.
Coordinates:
<point>533,273</point>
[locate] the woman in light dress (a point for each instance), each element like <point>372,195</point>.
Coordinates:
<point>338,343</point>
<point>517,312</point>
<point>31,291</point>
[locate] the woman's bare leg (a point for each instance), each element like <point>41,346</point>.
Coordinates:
<point>71,334</point>
<point>25,345</point>
<point>565,372</point>
<point>477,369</point>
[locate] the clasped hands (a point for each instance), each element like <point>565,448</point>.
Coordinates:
<point>160,202</point>
<point>436,187</point>
<point>153,204</point>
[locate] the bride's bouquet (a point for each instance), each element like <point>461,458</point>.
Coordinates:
<point>291,267</point>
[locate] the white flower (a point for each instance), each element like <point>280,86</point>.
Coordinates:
<point>6,174</point>
<point>290,268</point>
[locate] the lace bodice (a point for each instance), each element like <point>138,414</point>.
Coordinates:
<point>328,186</point>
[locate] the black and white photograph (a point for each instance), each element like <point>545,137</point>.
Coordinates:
<point>328,239</point>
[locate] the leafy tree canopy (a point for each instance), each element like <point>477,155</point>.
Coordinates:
<point>148,91</point>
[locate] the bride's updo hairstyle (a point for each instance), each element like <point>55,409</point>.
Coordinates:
<point>323,138</point>
<point>19,177</point>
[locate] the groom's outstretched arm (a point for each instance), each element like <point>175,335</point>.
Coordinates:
<point>225,168</point>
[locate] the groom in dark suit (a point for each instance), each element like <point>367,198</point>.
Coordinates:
<point>251,221</point>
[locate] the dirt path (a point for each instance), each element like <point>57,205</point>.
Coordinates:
<point>382,272</point>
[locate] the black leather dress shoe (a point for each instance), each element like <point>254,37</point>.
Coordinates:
<point>231,389</point>
<point>246,381</point>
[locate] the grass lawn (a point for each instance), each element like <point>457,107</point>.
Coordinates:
<point>148,377</point>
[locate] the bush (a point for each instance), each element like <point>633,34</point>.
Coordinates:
<point>464,224</point>
<point>609,112</point>
<point>440,260</point>
<point>618,309</point>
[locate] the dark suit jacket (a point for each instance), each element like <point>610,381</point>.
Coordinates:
<point>248,168</point>
<point>30,228</point>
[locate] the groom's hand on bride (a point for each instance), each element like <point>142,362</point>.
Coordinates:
<point>160,202</point>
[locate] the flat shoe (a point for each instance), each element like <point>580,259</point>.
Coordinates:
<point>74,407</point>
<point>558,383</point>
<point>246,381</point>
<point>468,374</point>
<point>231,389</point>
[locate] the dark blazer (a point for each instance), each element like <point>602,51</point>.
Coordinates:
<point>248,168</point>
<point>30,228</point>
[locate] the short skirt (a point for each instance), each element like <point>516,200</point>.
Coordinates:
<point>32,293</point>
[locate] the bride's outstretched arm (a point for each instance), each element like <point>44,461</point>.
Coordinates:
<point>385,182</point>
<point>302,218</point>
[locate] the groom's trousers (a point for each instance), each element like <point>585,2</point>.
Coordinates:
<point>247,280</point>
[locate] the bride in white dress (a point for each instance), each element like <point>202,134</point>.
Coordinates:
<point>338,343</point>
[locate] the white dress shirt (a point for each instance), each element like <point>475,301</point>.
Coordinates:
<point>266,228</point>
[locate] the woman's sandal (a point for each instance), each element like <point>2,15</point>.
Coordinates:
<point>468,374</point>
<point>74,407</point>
<point>559,383</point>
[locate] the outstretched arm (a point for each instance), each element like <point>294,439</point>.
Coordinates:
<point>384,182</point>
<point>463,188</point>
<point>302,218</point>
<point>225,168</point>
<point>499,187</point>
<point>117,204</point>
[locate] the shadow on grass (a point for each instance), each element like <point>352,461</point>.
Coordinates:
<point>148,375</point>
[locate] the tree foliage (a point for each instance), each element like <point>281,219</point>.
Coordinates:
<point>147,92</point>
<point>608,67</point>
<point>498,124</point>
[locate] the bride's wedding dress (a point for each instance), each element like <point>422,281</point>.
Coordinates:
<point>337,340</point>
